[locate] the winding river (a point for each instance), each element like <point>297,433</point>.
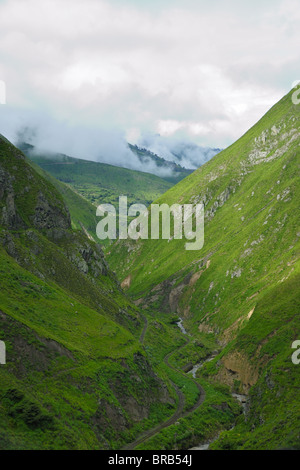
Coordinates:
<point>241,398</point>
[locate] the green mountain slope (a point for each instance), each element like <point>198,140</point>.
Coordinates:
<point>82,212</point>
<point>100,182</point>
<point>76,375</point>
<point>241,286</point>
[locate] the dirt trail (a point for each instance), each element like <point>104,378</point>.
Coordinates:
<point>147,434</point>
<point>201,389</point>
<point>179,413</point>
<point>144,329</point>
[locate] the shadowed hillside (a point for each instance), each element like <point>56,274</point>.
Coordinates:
<point>76,375</point>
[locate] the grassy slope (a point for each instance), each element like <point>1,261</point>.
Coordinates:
<point>250,260</point>
<point>219,409</point>
<point>82,212</point>
<point>73,355</point>
<point>103,183</point>
<point>35,312</point>
<point>273,418</point>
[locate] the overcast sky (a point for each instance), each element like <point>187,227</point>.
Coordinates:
<point>199,70</point>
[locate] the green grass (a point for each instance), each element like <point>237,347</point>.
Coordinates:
<point>273,418</point>
<point>217,413</point>
<point>45,308</point>
<point>76,376</point>
<point>82,212</point>
<point>103,183</point>
<point>51,336</point>
<point>219,410</point>
<point>245,290</point>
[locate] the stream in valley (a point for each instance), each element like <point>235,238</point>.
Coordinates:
<point>241,398</point>
<point>180,325</point>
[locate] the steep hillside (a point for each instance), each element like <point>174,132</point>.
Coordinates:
<point>100,182</point>
<point>76,375</point>
<point>241,287</point>
<point>174,171</point>
<point>82,212</point>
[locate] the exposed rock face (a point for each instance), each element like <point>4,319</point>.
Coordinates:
<point>236,366</point>
<point>174,297</point>
<point>272,144</point>
<point>126,283</point>
<point>88,258</point>
<point>169,292</point>
<point>25,199</point>
<point>9,216</point>
<point>23,207</point>
<point>130,406</point>
<point>35,230</point>
<point>46,216</point>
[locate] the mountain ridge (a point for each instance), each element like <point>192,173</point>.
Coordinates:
<point>236,288</point>
<point>177,171</point>
<point>99,182</point>
<point>72,337</point>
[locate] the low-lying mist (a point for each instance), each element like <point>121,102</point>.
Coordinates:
<point>50,136</point>
<point>181,151</point>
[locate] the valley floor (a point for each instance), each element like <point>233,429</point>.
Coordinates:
<point>191,395</point>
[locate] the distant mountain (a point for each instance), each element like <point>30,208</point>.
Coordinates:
<point>168,170</point>
<point>193,155</point>
<point>99,182</point>
<point>181,156</point>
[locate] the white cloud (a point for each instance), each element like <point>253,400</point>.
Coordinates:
<point>196,69</point>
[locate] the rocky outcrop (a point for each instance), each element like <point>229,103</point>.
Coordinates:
<point>8,216</point>
<point>236,367</point>
<point>47,216</point>
<point>26,200</point>
<point>126,283</point>
<point>30,203</point>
